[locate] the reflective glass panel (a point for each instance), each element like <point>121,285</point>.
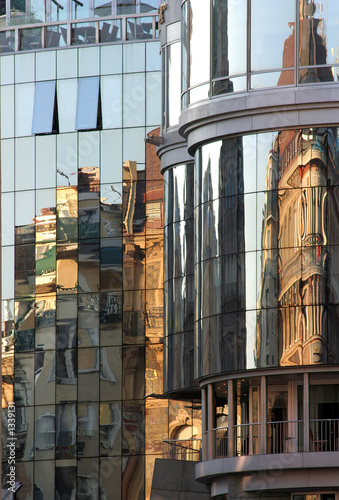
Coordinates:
<point>199,50</point>
<point>24,163</point>
<point>45,268</point>
<point>111,156</point>
<point>88,429</point>
<point>134,57</point>
<point>7,274</point>
<point>45,322</point>
<point>110,373</point>
<point>44,432</point>
<point>134,99</point>
<point>65,475</point>
<point>88,58</point>
<point>88,320</point>
<point>133,364</point>
<point>66,427</point>
<point>88,374</point>
<point>45,64</point>
<point>45,161</point>
<point>23,383</point>
<point>87,104</point>
<point>174,88</point>
<point>66,104</point>
<point>111,94</point>
<point>24,102</point>
<point>271,25</point>
<point>7,218</point>
<point>66,370</point>
<point>67,268</point>
<point>7,111</point>
<point>7,165</point>
<point>111,264</point>
<point>67,151</point>
<point>111,210</point>
<point>66,322</point>
<point>110,429</point>
<point>153,94</point>
<point>24,270</point>
<point>229,39</point>
<point>133,411</point>
<point>44,377</point>
<point>24,325</point>
<point>110,318</point>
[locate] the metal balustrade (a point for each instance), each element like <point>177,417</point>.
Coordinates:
<point>182,449</point>
<point>57,34</point>
<point>284,436</point>
<point>324,435</point>
<point>246,437</point>
<point>281,437</point>
<point>220,437</point>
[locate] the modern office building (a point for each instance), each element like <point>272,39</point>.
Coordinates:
<point>82,250</point>
<point>251,169</point>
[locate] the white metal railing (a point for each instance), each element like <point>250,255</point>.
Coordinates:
<point>182,449</point>
<point>324,435</point>
<point>87,31</point>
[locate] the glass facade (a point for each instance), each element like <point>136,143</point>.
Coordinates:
<point>82,260</point>
<point>266,250</point>
<point>233,55</point>
<point>264,229</point>
<point>179,279</point>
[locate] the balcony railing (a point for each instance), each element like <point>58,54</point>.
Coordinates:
<point>178,449</point>
<point>95,30</point>
<point>246,437</point>
<point>285,436</point>
<point>324,435</point>
<point>281,437</point>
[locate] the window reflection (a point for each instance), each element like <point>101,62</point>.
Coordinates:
<point>271,25</point>
<point>228,43</point>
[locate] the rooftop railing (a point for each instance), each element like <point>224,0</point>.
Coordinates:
<point>58,34</point>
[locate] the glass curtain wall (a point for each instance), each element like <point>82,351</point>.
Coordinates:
<point>225,45</point>
<point>266,251</point>
<point>82,218</point>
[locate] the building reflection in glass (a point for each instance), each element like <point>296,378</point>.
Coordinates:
<point>82,329</point>
<point>299,289</point>
<point>266,251</point>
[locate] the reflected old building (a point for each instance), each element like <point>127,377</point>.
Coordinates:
<point>78,351</point>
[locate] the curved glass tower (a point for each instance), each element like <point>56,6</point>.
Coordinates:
<point>251,170</point>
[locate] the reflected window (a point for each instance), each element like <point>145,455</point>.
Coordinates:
<point>88,115</point>
<point>45,114</point>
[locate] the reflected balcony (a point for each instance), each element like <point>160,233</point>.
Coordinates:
<point>94,30</point>
<point>182,449</point>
